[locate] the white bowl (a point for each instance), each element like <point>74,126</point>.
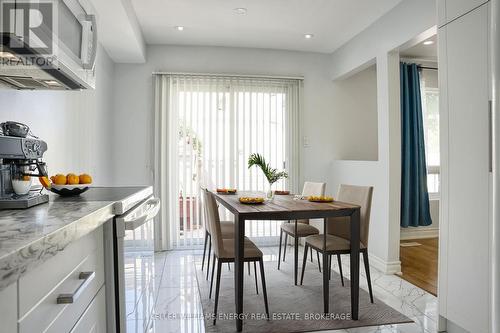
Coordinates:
<point>21,187</point>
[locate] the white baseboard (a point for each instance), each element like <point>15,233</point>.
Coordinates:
<point>419,233</point>
<point>386,267</point>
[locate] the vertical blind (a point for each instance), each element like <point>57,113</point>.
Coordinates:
<point>207,126</point>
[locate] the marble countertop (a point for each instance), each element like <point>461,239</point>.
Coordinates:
<point>31,236</point>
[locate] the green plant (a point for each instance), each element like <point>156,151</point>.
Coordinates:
<point>272,175</point>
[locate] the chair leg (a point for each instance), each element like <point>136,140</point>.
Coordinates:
<point>319,262</point>
<point>264,289</point>
<point>304,261</point>
<point>228,266</point>
<point>204,250</point>
<point>209,250</point>
<point>311,254</point>
<point>367,270</point>
<point>286,244</point>
<point>255,274</point>
<point>296,258</point>
<point>249,272</point>
<point>279,251</point>
<point>330,266</point>
<point>212,279</point>
<point>340,269</point>
<point>217,285</point>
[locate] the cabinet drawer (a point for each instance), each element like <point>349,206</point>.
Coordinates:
<point>49,316</point>
<point>39,282</point>
<point>93,319</point>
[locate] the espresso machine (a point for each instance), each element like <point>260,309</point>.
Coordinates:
<point>20,160</point>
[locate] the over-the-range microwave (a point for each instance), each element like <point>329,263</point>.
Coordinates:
<point>47,44</point>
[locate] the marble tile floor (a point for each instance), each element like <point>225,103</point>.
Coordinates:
<point>178,305</point>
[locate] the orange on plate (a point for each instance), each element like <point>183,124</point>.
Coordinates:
<point>72,179</point>
<point>85,179</point>
<point>59,179</point>
<point>251,200</point>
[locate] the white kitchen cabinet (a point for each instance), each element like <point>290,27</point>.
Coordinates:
<point>464,262</point>
<point>448,10</point>
<point>94,318</point>
<point>33,303</point>
<point>44,313</point>
<point>8,309</point>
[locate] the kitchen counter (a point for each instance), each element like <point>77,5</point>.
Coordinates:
<point>31,236</point>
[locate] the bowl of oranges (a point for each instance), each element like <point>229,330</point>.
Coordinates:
<point>67,185</point>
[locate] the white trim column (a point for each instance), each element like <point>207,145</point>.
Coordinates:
<point>495,234</point>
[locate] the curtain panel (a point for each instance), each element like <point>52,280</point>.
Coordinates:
<point>206,126</point>
<point>414,194</point>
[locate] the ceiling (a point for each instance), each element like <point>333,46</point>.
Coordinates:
<point>276,24</point>
<point>422,51</point>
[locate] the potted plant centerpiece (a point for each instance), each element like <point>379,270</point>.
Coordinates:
<point>272,175</point>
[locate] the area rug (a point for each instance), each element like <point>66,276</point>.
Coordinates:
<point>292,308</point>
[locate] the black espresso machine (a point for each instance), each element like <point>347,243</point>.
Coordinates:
<point>20,160</point>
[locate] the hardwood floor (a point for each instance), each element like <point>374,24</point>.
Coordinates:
<point>419,264</point>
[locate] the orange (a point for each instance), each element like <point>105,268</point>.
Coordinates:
<point>60,179</point>
<point>44,181</point>
<point>72,179</point>
<point>85,179</point>
<point>53,179</point>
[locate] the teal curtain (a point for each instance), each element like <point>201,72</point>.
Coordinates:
<point>414,194</point>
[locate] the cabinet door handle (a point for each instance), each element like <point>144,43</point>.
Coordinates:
<point>490,134</point>
<point>87,277</point>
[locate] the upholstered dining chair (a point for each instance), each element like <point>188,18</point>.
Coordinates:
<point>300,228</point>
<point>227,231</point>
<point>338,231</point>
<point>224,251</point>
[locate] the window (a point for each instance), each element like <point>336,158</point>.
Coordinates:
<point>430,110</point>
<point>216,122</point>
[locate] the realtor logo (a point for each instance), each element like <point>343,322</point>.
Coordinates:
<point>31,22</point>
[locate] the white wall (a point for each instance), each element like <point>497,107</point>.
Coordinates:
<point>405,21</point>
<point>75,124</point>
<point>133,100</point>
<point>355,128</point>
<point>381,41</point>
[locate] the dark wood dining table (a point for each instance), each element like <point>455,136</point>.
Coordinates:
<point>287,207</point>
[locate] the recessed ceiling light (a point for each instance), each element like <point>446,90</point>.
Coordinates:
<point>52,83</point>
<point>179,28</point>
<point>240,11</point>
<point>428,42</point>
<point>6,55</point>
<point>308,36</point>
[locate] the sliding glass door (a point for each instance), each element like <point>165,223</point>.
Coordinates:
<point>216,122</point>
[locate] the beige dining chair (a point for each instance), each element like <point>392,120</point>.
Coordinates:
<point>338,231</point>
<point>300,228</point>
<point>224,251</point>
<point>227,230</point>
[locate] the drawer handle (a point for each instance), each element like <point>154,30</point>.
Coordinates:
<point>87,277</point>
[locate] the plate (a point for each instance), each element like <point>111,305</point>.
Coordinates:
<point>320,199</point>
<point>251,201</point>
<point>69,190</point>
<point>278,192</point>
<point>226,191</point>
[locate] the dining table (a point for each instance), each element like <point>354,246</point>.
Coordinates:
<point>291,208</point>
